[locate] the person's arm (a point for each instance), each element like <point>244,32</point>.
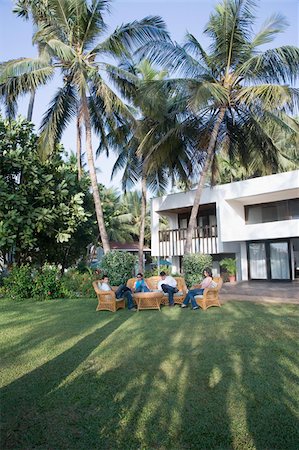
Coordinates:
<point>160,284</point>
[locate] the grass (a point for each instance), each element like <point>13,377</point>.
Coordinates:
<point>221,379</point>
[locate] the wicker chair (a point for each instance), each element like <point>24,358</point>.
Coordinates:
<point>107,300</point>
<point>210,296</point>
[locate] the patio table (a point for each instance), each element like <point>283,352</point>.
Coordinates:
<point>148,300</point>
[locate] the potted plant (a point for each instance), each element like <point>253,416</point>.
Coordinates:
<point>229,265</point>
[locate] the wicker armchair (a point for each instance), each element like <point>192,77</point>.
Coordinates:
<point>107,300</point>
<point>210,296</point>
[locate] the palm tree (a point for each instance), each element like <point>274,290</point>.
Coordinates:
<point>71,36</point>
<point>131,206</point>
<point>118,224</point>
<point>229,168</point>
<point>234,85</point>
<point>38,10</point>
<point>154,151</point>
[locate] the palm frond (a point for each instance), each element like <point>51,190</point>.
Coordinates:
<point>134,34</point>
<point>25,73</point>
<point>60,50</point>
<point>271,27</point>
<point>62,109</point>
<point>270,96</point>
<point>277,65</point>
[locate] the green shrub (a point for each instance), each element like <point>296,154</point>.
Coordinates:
<point>19,284</point>
<point>78,284</point>
<point>82,267</point>
<point>119,266</point>
<point>47,284</point>
<point>156,271</point>
<point>193,266</point>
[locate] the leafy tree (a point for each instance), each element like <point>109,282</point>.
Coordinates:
<point>71,36</point>
<point>234,86</point>
<point>119,266</point>
<point>41,204</point>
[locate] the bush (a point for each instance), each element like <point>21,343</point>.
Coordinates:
<point>47,284</point>
<point>193,266</point>
<point>156,271</point>
<point>119,266</point>
<point>19,284</point>
<point>78,284</point>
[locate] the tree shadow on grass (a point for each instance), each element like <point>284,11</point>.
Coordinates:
<point>270,378</point>
<point>170,380</point>
<point>25,400</point>
<point>49,323</point>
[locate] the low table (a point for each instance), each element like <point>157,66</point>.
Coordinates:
<point>148,300</point>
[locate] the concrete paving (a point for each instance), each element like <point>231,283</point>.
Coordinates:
<point>261,291</point>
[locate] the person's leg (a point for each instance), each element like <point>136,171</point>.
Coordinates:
<point>170,291</point>
<point>190,297</point>
<point>129,298</point>
<point>187,299</point>
<point>194,293</point>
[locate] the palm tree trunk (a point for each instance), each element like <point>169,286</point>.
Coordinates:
<point>206,168</point>
<point>142,223</point>
<point>93,176</point>
<point>30,106</point>
<point>79,146</point>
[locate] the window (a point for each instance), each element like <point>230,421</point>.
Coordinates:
<point>271,212</point>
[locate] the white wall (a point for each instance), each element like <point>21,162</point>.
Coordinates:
<point>230,200</point>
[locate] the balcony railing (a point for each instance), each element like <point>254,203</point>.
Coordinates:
<point>204,240</point>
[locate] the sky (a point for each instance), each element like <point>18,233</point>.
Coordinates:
<point>180,16</point>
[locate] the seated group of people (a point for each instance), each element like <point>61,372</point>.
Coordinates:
<point>166,284</point>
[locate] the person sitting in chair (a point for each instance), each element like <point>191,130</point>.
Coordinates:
<point>122,291</point>
<point>207,282</point>
<point>141,285</point>
<point>168,285</point>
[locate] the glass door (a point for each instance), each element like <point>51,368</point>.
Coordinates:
<point>279,261</point>
<point>269,260</point>
<point>257,261</point>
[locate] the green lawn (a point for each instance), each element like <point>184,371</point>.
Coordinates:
<point>73,378</point>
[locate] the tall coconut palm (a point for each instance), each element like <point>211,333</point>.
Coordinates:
<point>155,150</point>
<point>235,85</point>
<point>71,36</point>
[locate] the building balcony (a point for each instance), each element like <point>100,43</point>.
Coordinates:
<point>204,240</point>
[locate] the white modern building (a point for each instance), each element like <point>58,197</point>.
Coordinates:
<point>256,221</point>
